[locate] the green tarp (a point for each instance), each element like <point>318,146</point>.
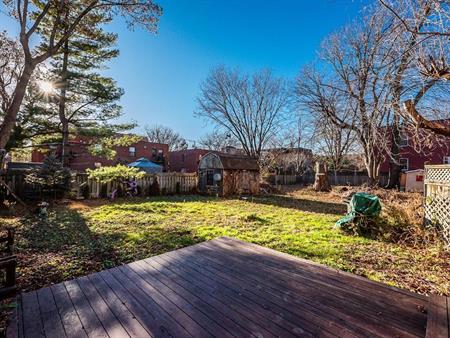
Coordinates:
<point>361,204</point>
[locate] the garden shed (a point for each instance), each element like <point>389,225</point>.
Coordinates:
<point>412,180</point>
<point>228,174</point>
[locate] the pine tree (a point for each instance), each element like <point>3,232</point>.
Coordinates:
<point>83,101</point>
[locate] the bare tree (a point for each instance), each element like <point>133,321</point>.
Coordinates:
<point>409,12</point>
<point>250,108</point>
<point>62,18</point>
<point>161,134</point>
<point>11,65</point>
<point>334,143</point>
<point>217,140</point>
<point>351,93</point>
<point>423,72</point>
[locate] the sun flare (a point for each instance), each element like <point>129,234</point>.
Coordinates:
<point>46,87</point>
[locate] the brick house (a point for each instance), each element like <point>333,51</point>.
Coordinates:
<point>186,161</point>
<point>411,159</point>
<point>80,159</point>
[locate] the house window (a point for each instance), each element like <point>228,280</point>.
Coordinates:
<point>132,151</point>
<point>154,152</point>
<point>404,141</point>
<point>404,164</point>
<point>183,157</point>
<point>446,160</point>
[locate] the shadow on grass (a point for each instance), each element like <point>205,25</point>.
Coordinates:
<point>63,247</point>
<point>303,204</point>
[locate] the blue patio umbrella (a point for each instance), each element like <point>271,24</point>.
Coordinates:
<point>146,165</point>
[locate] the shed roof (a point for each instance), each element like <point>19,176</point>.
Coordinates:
<point>237,162</point>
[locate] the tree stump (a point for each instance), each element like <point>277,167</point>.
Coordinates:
<point>321,180</point>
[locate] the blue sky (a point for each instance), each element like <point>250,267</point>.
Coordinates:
<point>161,73</point>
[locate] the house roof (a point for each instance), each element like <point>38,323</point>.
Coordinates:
<point>237,162</point>
<point>414,171</point>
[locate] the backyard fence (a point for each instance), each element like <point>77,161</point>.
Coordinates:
<point>352,179</point>
<point>150,184</point>
<point>437,198</point>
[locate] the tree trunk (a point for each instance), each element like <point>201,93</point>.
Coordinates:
<point>321,180</point>
<point>62,105</point>
<point>372,168</point>
<point>394,167</point>
<point>10,118</point>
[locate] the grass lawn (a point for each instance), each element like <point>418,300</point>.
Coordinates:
<point>80,238</point>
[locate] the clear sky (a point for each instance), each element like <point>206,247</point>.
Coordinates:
<point>161,73</point>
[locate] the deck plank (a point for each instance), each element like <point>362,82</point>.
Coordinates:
<point>245,306</point>
<point>192,303</point>
<point>307,316</point>
<point>438,322</point>
<point>338,301</point>
<point>225,307</point>
<point>221,310</point>
<point>121,312</point>
<point>340,278</point>
<point>69,317</point>
<point>32,315</point>
<point>295,324</point>
<point>194,320</point>
<point>149,318</point>
<point>156,302</point>
<point>53,326</point>
<point>88,317</point>
<point>225,288</point>
<point>112,325</point>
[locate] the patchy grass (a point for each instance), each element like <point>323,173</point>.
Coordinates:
<point>84,237</point>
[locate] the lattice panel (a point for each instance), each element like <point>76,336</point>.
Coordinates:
<point>438,174</point>
<point>437,212</point>
<point>437,199</point>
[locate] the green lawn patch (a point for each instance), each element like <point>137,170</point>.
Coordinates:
<point>81,238</point>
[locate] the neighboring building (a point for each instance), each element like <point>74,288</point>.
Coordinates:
<point>186,161</point>
<point>80,159</point>
<point>227,174</point>
<point>411,159</point>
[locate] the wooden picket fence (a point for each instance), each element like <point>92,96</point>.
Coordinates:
<point>168,183</point>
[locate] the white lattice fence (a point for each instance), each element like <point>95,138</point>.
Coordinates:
<point>437,198</point>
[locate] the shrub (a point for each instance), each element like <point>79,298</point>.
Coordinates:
<point>119,172</point>
<point>51,176</point>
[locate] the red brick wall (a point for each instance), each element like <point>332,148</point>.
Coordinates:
<point>80,158</point>
<point>417,160</point>
<point>185,160</point>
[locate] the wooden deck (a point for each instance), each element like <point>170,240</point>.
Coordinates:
<point>221,288</point>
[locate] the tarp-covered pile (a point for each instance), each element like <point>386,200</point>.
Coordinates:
<point>363,206</point>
